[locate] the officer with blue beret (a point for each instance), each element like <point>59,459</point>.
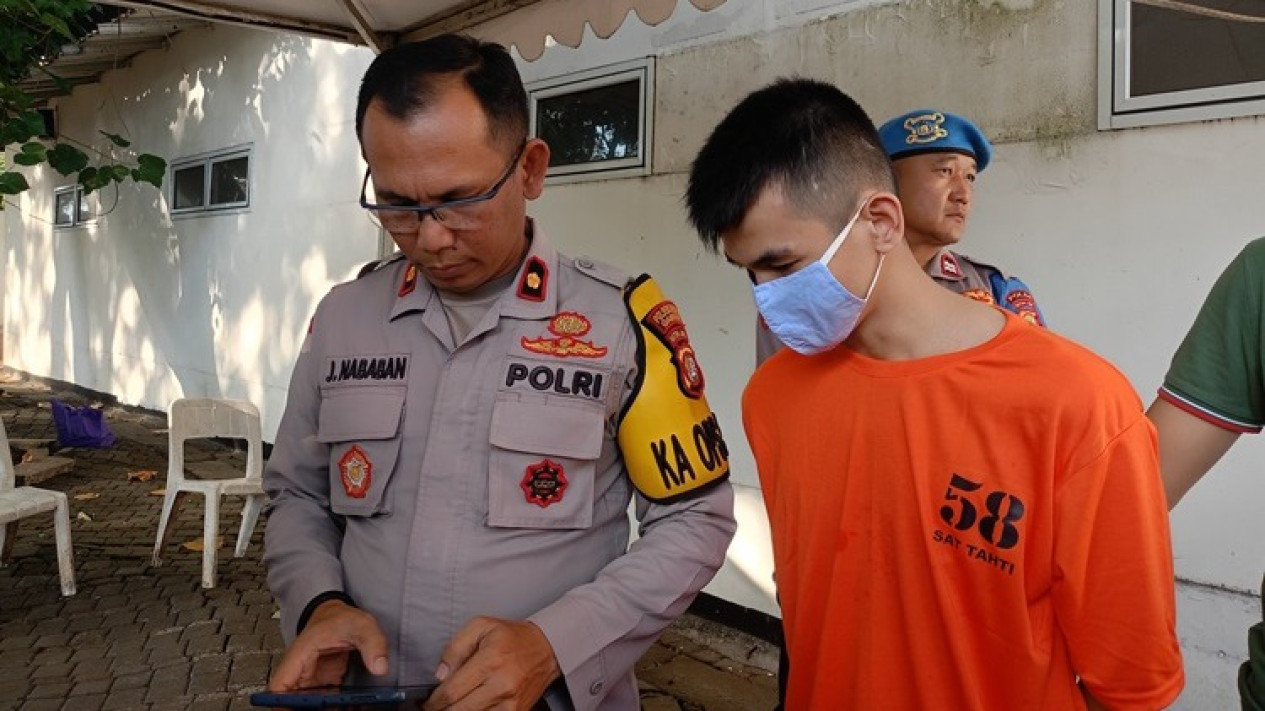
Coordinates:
<point>937,156</point>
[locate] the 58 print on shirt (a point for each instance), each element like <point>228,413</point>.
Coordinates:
<point>993,516</point>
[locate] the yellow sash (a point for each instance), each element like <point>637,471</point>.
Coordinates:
<point>670,438</point>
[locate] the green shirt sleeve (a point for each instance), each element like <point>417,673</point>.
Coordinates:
<point>1217,373</point>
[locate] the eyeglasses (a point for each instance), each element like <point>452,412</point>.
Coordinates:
<point>460,214</point>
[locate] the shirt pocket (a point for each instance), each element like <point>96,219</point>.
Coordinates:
<point>362,428</point>
<point>542,463</point>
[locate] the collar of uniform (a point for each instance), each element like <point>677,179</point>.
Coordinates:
<point>414,296</point>
<point>526,298</point>
<point>946,265</point>
<point>540,254</point>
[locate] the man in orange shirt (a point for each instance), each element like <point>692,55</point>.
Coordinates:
<point>929,556</point>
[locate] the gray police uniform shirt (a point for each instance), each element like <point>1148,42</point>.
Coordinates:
<point>962,275</point>
<point>433,484</point>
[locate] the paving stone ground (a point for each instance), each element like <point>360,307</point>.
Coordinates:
<point>150,638</point>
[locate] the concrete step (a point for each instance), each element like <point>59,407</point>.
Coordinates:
<point>40,468</point>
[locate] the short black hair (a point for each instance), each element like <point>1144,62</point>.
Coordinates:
<point>406,78</point>
<point>804,135</point>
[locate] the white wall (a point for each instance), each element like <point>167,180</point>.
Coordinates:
<point>150,308</point>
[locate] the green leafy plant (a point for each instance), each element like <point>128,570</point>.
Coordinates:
<point>34,33</point>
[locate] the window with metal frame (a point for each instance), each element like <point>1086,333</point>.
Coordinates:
<point>1169,61</point>
<point>597,122</point>
<point>210,182</point>
<point>71,207</point>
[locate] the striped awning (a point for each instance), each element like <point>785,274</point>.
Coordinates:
<point>380,23</point>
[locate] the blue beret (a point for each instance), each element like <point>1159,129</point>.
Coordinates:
<point>931,131</point>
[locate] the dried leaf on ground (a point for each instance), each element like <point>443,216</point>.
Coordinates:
<point>86,496</point>
<point>27,457</point>
<point>81,516</point>
<point>142,475</point>
<point>197,544</point>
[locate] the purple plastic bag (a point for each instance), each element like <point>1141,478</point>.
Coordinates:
<point>80,426</point>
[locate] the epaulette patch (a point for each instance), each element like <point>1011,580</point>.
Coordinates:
<point>375,265</point>
<point>604,273</point>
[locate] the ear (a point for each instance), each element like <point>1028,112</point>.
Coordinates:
<point>887,221</point>
<point>535,165</point>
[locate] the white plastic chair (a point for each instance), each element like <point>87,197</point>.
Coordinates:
<point>193,418</point>
<point>19,502</point>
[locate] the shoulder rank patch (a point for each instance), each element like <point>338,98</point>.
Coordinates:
<point>535,280</point>
<point>602,272</point>
<point>410,281</point>
<point>356,472</point>
<point>1021,302</point>
<point>949,265</point>
<point>567,326</point>
<point>925,128</point>
<point>670,438</point>
<point>544,483</point>
<point>664,321</point>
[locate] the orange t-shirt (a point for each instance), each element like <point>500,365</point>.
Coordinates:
<point>967,531</point>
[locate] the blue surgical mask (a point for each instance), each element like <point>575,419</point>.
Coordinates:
<point>809,310</point>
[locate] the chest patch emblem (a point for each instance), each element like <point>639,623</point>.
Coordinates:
<point>981,295</point>
<point>664,320</point>
<point>356,472</point>
<point>567,328</point>
<point>544,483</point>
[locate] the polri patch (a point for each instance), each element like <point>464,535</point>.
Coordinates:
<point>356,471</point>
<point>544,483</point>
<point>535,280</point>
<point>555,379</point>
<point>949,265</point>
<point>664,321</point>
<point>567,327</point>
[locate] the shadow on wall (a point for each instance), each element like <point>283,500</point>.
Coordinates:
<point>149,308</point>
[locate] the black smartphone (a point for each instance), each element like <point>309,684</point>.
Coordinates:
<point>327,697</point>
